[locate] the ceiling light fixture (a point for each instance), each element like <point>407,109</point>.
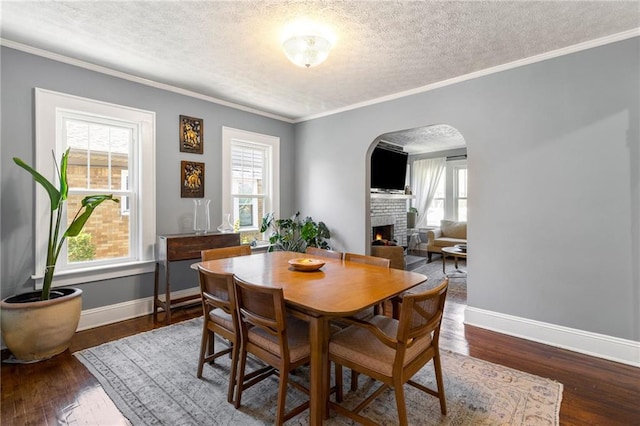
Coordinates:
<point>307,50</point>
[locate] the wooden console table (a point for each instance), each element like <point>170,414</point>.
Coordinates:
<point>172,248</point>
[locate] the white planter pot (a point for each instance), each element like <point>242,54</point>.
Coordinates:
<point>37,330</point>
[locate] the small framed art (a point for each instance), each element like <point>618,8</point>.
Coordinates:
<point>191,134</point>
<point>192,179</point>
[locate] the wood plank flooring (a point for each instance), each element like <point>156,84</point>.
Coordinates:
<point>60,391</point>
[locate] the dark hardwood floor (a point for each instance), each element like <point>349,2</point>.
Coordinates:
<point>62,391</point>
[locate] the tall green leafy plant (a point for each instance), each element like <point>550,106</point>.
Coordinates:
<point>294,233</point>
<point>57,197</point>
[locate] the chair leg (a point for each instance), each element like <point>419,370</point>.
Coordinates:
<point>233,374</point>
<point>203,347</point>
<point>400,404</point>
<point>339,382</point>
<point>354,380</point>
<point>242,359</point>
<point>429,254</point>
<point>282,396</point>
<point>440,383</point>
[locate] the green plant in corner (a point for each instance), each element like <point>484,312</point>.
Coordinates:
<point>57,198</point>
<point>294,233</point>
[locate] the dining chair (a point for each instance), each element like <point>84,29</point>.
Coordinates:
<point>221,318</point>
<point>369,260</point>
<point>330,254</point>
<point>225,252</point>
<point>275,337</point>
<point>378,309</point>
<point>219,312</point>
<point>392,351</point>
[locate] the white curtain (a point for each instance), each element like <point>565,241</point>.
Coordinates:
<point>424,181</point>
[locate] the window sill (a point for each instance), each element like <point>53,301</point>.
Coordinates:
<point>67,278</point>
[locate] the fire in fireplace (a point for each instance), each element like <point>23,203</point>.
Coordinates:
<point>384,232</point>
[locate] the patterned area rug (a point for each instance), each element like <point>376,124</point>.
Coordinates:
<point>151,377</point>
<point>457,291</point>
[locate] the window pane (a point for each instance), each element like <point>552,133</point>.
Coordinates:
<point>248,213</point>
<point>105,235</point>
<point>97,151</point>
<point>247,165</point>
<point>462,183</point>
<point>462,210</point>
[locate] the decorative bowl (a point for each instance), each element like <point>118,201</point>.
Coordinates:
<point>306,264</point>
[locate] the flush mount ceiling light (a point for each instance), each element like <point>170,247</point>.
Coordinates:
<point>306,42</point>
<point>306,50</point>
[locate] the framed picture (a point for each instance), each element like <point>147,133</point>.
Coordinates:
<point>192,179</point>
<point>191,134</point>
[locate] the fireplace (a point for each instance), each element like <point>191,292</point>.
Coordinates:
<point>384,232</point>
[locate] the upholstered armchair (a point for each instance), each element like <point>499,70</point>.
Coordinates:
<point>448,234</point>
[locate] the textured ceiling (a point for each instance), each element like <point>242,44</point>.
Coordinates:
<point>231,50</point>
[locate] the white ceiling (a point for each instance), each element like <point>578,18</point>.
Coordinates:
<point>231,50</point>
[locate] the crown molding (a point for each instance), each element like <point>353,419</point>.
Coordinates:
<point>108,71</point>
<point>482,73</point>
<point>504,67</point>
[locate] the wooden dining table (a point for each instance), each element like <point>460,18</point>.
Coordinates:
<point>338,289</point>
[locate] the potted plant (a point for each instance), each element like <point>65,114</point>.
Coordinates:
<point>295,234</point>
<point>40,324</point>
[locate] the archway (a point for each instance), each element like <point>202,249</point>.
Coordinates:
<point>389,206</point>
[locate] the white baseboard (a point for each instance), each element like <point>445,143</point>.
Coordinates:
<point>91,318</point>
<point>593,344</point>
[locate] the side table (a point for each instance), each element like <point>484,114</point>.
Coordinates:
<point>172,248</point>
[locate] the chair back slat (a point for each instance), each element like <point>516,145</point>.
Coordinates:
<point>260,306</point>
<point>216,290</point>
<point>225,252</point>
<point>368,260</point>
<point>422,313</point>
<point>329,254</point>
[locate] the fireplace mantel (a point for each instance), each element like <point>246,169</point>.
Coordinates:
<point>386,196</point>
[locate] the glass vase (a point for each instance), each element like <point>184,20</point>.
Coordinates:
<point>201,221</point>
<point>226,225</point>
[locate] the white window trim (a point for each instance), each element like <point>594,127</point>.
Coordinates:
<point>230,134</point>
<point>47,103</point>
<point>451,190</point>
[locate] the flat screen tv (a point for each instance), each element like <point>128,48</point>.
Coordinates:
<point>388,169</point>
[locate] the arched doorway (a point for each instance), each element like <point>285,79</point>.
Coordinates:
<point>388,206</point>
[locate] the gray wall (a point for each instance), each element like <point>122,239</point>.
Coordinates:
<point>21,72</point>
<point>554,195</point>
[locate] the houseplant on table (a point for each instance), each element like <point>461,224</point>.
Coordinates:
<point>40,324</point>
<point>294,233</point>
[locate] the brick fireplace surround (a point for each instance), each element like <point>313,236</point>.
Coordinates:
<point>390,209</point>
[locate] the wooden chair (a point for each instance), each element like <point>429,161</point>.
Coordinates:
<point>392,351</point>
<point>225,252</point>
<point>269,334</point>
<point>220,317</point>
<point>378,309</point>
<point>330,254</point>
<point>369,260</point>
<point>219,311</point>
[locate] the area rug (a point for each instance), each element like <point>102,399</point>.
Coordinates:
<point>457,291</point>
<point>151,377</point>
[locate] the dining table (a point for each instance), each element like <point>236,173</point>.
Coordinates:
<point>338,288</point>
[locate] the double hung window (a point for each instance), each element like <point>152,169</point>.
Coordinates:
<point>111,152</point>
<point>250,180</point>
<point>450,199</point>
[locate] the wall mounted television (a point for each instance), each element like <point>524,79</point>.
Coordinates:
<point>388,170</point>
